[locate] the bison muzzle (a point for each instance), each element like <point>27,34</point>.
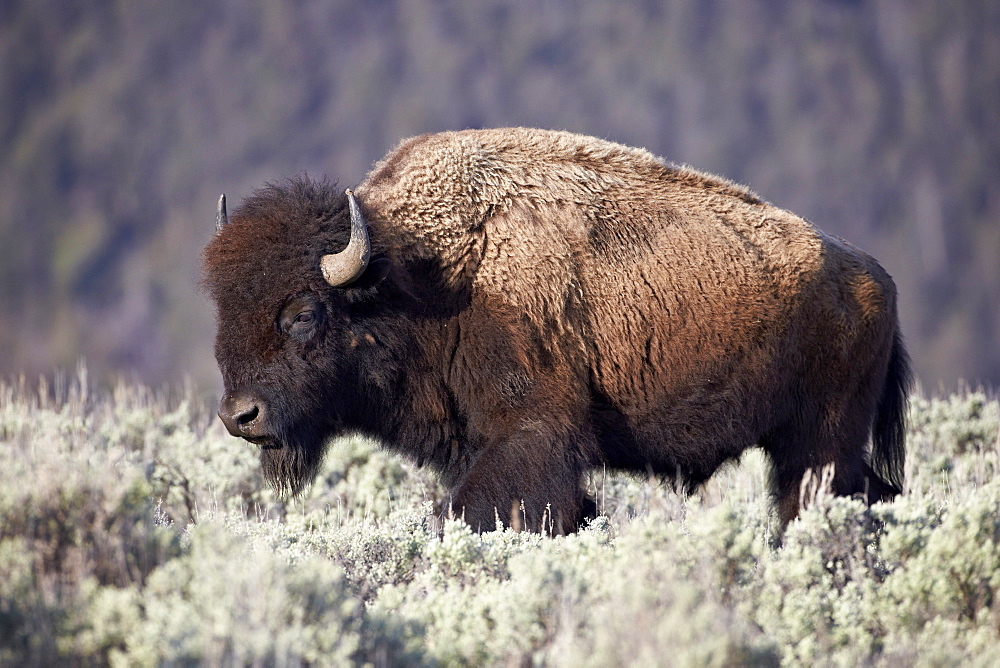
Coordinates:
<point>514,307</point>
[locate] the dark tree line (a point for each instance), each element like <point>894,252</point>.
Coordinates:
<point>121,122</point>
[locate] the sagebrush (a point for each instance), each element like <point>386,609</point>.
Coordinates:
<point>134,531</point>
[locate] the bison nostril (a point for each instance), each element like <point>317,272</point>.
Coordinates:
<point>243,414</point>
<point>247,416</point>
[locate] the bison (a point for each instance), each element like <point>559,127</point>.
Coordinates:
<point>513,307</point>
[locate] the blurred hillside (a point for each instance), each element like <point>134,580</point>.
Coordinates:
<point>120,123</point>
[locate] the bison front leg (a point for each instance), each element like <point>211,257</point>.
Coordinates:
<point>530,481</point>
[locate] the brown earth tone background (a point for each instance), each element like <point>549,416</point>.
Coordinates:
<point>121,122</point>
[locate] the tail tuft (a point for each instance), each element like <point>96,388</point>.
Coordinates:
<point>889,431</point>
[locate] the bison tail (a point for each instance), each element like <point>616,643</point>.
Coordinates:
<point>889,430</point>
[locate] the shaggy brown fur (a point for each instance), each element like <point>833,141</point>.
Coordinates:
<point>540,303</point>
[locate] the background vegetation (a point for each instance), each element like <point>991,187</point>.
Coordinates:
<point>120,123</point>
<point>134,531</point>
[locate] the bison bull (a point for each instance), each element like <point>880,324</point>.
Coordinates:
<point>513,307</point>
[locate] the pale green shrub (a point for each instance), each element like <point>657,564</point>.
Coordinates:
<point>459,606</point>
<point>654,596</point>
<point>955,424</point>
<point>811,593</point>
<point>225,603</point>
<point>587,598</point>
<point>945,563</point>
<point>373,553</point>
<point>360,480</point>
<point>75,515</point>
<point>135,531</point>
<point>952,440</point>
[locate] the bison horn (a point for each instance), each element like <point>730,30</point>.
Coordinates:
<point>345,267</point>
<point>221,218</point>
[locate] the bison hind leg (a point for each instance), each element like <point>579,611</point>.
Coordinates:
<point>588,511</point>
<point>877,488</point>
<point>813,454</point>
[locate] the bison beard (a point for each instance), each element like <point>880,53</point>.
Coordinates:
<point>289,468</point>
<point>289,461</point>
<point>514,307</point>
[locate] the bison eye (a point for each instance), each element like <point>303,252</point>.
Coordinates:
<point>301,317</point>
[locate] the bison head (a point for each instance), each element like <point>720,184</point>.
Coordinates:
<point>290,275</point>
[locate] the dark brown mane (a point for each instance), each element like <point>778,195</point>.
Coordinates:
<point>283,226</point>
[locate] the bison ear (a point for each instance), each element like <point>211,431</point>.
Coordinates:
<point>378,268</point>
